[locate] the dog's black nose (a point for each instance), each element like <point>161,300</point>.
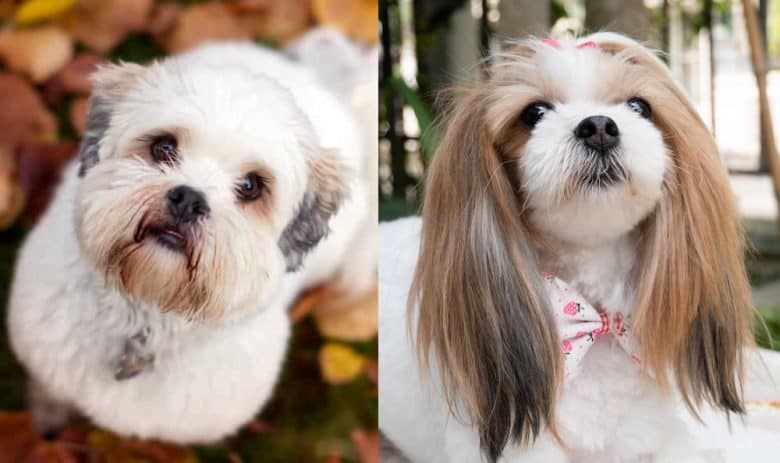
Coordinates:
<point>598,132</point>
<point>186,204</point>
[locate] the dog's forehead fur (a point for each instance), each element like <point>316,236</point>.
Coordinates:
<point>246,113</point>
<point>531,70</point>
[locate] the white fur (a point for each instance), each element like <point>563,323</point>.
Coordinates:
<point>68,325</point>
<point>609,412</point>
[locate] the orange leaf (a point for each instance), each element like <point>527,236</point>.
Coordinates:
<point>367,445</point>
<point>114,448</point>
<point>276,21</point>
<point>356,18</point>
<point>102,24</point>
<point>78,114</point>
<point>38,172</point>
<point>17,438</point>
<point>307,302</point>
<point>340,316</point>
<point>11,196</point>
<point>24,119</point>
<point>201,23</point>
<point>38,52</point>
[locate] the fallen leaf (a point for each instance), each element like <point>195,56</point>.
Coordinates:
<point>338,315</point>
<point>306,303</point>
<point>162,19</point>
<point>257,427</point>
<point>7,8</point>
<point>278,22</point>
<point>78,114</point>
<point>367,445</point>
<point>201,23</point>
<point>17,438</point>
<point>38,172</point>
<point>38,52</point>
<point>103,24</point>
<point>113,448</point>
<point>24,118</point>
<point>49,452</point>
<point>356,18</point>
<point>11,196</point>
<point>33,11</point>
<point>73,78</point>
<point>339,363</point>
<point>372,370</point>
<point>334,456</point>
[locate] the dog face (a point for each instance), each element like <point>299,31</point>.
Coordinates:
<point>581,142</point>
<point>593,155</point>
<point>201,186</point>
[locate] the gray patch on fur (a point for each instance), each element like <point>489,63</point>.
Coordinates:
<point>308,228</point>
<point>98,117</point>
<point>135,358</point>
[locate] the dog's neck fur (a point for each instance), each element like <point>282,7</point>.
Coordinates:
<point>600,272</point>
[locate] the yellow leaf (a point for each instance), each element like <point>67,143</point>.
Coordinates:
<point>339,363</point>
<point>33,11</point>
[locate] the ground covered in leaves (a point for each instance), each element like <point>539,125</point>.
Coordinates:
<point>325,406</point>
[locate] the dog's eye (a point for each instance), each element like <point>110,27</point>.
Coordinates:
<point>640,107</point>
<point>534,112</point>
<point>163,149</point>
<point>250,187</point>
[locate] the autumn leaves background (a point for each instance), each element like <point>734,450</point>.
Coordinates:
<point>325,407</point>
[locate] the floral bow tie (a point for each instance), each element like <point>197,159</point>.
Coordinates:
<point>580,325</point>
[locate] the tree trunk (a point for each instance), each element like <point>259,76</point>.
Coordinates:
<point>629,17</point>
<point>520,18</point>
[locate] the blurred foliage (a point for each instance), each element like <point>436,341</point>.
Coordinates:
<point>47,51</point>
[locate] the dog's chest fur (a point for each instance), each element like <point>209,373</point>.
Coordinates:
<point>601,273</point>
<point>609,403</point>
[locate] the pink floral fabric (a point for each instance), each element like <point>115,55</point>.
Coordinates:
<point>580,325</point>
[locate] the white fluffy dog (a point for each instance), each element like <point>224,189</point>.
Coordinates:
<point>211,189</point>
<point>577,273</point>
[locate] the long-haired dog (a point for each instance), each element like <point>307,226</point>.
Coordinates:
<point>577,272</point>
<point>210,190</point>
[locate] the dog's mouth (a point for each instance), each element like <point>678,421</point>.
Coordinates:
<point>604,170</point>
<point>164,233</point>
<point>169,236</point>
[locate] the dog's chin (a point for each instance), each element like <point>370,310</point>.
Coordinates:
<point>606,204</point>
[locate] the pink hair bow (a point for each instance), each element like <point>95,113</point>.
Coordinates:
<point>580,325</point>
<point>554,43</point>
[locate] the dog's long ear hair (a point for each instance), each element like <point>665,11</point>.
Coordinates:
<point>693,308</point>
<point>109,84</point>
<point>483,317</point>
<point>325,192</point>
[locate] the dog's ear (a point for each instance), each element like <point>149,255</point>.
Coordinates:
<point>109,84</point>
<point>693,306</point>
<point>325,191</point>
<point>482,313</point>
